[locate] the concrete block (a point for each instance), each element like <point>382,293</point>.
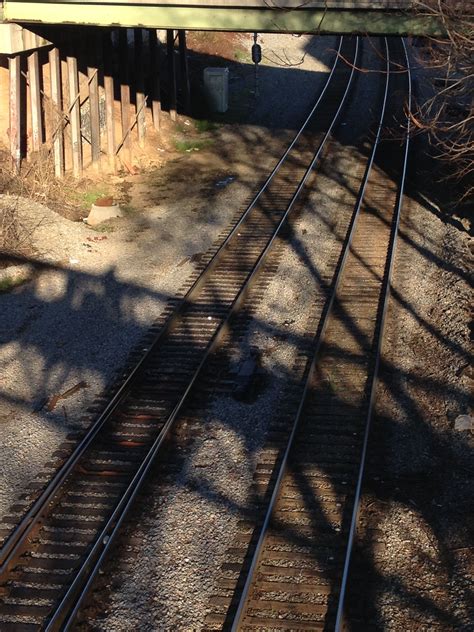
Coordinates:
<point>99,214</point>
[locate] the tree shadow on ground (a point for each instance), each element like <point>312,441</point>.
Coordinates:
<point>83,293</point>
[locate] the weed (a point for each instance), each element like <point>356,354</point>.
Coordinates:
<point>88,194</point>
<point>181,127</point>
<point>203,125</point>
<point>89,197</point>
<point>9,283</point>
<point>103,228</point>
<point>192,145</point>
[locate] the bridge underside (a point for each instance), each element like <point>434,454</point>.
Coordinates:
<point>222,17</point>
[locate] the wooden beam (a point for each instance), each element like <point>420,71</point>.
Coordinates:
<point>16,39</point>
<point>34,81</point>
<point>93,67</point>
<point>109,98</point>
<point>125,94</point>
<point>14,67</point>
<point>140,62</point>
<point>155,72</point>
<point>171,72</point>
<point>57,122</point>
<point>184,71</point>
<point>75,115</point>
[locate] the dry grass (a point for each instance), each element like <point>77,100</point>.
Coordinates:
<point>16,237</point>
<point>10,240</point>
<point>38,182</point>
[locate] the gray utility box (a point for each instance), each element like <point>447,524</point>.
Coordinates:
<point>216,84</point>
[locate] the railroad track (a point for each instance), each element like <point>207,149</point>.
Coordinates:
<point>56,547</point>
<point>297,560</point>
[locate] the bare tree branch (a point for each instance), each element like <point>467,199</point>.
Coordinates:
<point>447,116</point>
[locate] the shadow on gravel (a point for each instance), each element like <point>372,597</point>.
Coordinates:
<point>43,363</point>
<point>79,294</point>
<point>418,466</point>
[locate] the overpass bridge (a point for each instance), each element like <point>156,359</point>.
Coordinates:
<point>374,17</point>
<point>67,66</point>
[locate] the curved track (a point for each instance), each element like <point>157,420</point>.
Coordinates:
<point>299,564</point>
<point>52,555</point>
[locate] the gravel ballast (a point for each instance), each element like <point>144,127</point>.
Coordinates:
<point>419,488</point>
<point>170,572</point>
<point>167,579</point>
<point>94,293</point>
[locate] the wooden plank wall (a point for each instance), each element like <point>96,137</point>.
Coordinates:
<point>92,99</point>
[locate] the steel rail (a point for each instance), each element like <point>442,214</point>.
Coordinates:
<point>64,615</point>
<point>318,343</point>
<point>29,520</point>
<point>378,353</point>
